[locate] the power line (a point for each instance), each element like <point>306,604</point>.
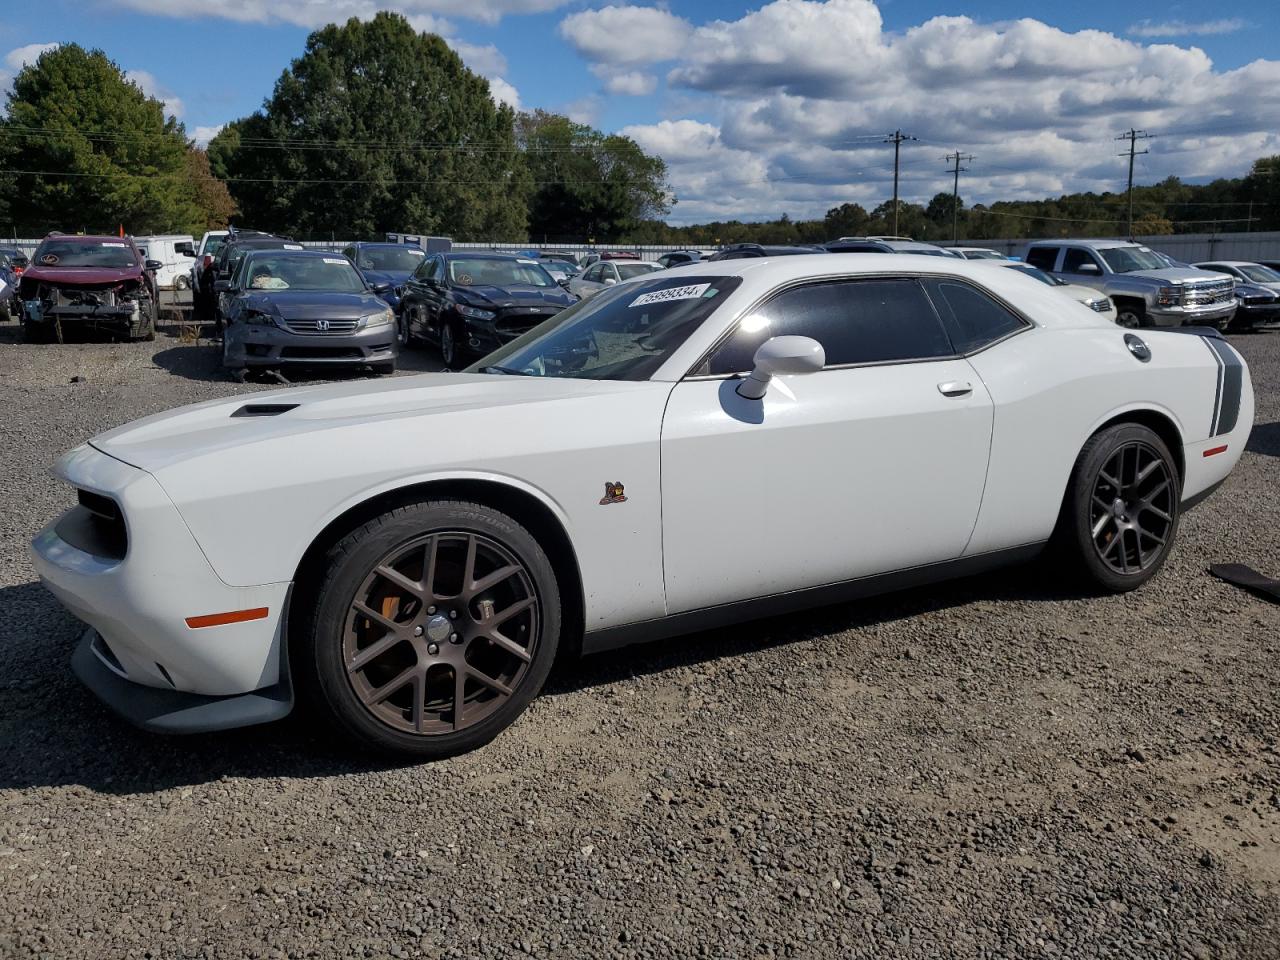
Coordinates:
<point>958,158</point>
<point>1133,136</point>
<point>896,139</point>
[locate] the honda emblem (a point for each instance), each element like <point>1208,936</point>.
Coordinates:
<point>322,324</point>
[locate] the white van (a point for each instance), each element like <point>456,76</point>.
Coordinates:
<point>174,251</point>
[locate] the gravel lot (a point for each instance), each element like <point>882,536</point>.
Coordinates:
<point>992,768</point>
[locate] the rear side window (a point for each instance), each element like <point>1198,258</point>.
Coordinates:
<point>858,321</point>
<point>972,318</point>
<point>1046,258</point>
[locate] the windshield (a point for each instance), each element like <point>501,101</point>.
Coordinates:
<point>1039,275</point>
<point>628,271</point>
<point>557,269</point>
<point>982,255</point>
<point>113,254</point>
<point>1129,259</point>
<point>492,272</point>
<point>289,271</point>
<point>1259,274</point>
<point>625,333</point>
<point>394,259</point>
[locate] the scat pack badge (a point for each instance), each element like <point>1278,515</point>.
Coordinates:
<point>613,493</point>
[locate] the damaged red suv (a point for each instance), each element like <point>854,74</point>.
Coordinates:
<point>78,284</point>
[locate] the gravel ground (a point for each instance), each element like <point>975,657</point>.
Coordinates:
<point>993,768</point>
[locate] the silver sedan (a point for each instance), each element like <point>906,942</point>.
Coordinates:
<point>605,273</point>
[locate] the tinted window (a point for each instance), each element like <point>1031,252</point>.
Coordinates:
<point>1129,259</point>
<point>1075,258</point>
<point>630,270</point>
<point>593,274</point>
<point>972,318</point>
<point>864,321</point>
<point>112,254</point>
<point>1043,257</point>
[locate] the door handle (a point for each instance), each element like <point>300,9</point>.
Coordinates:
<point>955,388</point>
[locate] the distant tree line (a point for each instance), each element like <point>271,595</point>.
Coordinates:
<point>377,127</point>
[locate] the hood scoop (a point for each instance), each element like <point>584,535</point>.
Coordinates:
<point>263,409</point>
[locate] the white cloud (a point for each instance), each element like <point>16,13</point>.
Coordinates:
<point>1182,28</point>
<point>203,134</point>
<point>423,14</point>
<point>583,110</point>
<point>631,83</point>
<point>152,87</point>
<point>626,35</point>
<point>486,60</point>
<point>504,92</point>
<point>21,57</point>
<point>806,91</point>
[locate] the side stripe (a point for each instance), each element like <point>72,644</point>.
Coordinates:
<point>1232,386</point>
<point>1217,393</point>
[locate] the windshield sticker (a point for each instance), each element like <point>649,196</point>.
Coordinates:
<point>49,258</point>
<point>113,243</point>
<point>691,292</point>
<point>337,260</point>
<point>293,246</point>
<point>522,260</point>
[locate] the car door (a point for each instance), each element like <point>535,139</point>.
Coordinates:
<point>434,293</point>
<point>589,283</point>
<point>1082,266</point>
<point>875,463</point>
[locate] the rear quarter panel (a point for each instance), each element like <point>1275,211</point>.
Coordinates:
<point>1053,388</point>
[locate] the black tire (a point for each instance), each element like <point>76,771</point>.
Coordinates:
<point>384,369</point>
<point>1117,536</point>
<point>327,621</point>
<point>451,349</point>
<point>405,336</point>
<point>1130,315</point>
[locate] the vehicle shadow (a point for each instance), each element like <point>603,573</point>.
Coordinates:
<point>56,733</point>
<point>1265,439</point>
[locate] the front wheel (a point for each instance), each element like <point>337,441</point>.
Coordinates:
<point>431,628</point>
<point>450,345</point>
<point>1121,512</point>
<point>1130,315</point>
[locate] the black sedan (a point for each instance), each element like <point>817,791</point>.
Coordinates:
<point>472,303</point>
<point>386,265</point>
<point>304,307</point>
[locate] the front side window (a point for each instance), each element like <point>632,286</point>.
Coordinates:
<point>1043,257</point>
<point>624,333</point>
<point>973,319</point>
<point>856,321</point>
<point>1076,258</point>
<point>593,275</point>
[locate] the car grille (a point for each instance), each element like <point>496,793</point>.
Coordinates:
<point>521,321</point>
<point>1208,293</point>
<point>1100,306</point>
<point>321,326</point>
<point>321,353</point>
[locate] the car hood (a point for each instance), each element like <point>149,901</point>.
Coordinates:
<point>1081,293</point>
<point>393,277</point>
<point>1249,289</point>
<point>518,296</point>
<point>1179,275</point>
<point>314,304</point>
<point>82,276</point>
<point>204,429</point>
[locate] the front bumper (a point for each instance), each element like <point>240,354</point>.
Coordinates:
<point>114,319</point>
<point>1194,315</point>
<point>1253,316</point>
<point>266,345</point>
<point>138,603</point>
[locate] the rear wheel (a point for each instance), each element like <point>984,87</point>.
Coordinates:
<point>1121,512</point>
<point>405,323</point>
<point>432,628</point>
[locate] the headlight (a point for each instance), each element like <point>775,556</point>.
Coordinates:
<point>1101,306</point>
<point>475,313</point>
<point>380,319</point>
<point>258,317</point>
<point>1168,296</point>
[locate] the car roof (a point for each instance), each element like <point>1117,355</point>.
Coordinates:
<point>1230,263</point>
<point>386,243</point>
<point>88,238</point>
<point>1090,244</point>
<point>300,253</point>
<point>483,255</point>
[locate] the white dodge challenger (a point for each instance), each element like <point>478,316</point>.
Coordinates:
<point>695,447</point>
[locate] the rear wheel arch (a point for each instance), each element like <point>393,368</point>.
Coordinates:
<point>521,505</point>
<point>1161,425</point>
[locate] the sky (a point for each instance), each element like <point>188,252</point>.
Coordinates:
<point>761,109</point>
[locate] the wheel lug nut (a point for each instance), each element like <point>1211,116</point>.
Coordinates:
<point>431,609</point>
<point>417,631</point>
<point>453,614</point>
<point>433,648</point>
<point>454,638</point>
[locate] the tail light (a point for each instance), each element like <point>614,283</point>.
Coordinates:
<point>17,271</point>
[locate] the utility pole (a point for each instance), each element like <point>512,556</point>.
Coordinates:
<point>896,140</point>
<point>958,158</point>
<point>1133,136</point>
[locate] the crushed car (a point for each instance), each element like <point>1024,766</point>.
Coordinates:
<point>83,284</point>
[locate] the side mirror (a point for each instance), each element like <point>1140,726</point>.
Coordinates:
<point>222,286</point>
<point>1090,268</point>
<point>609,281</point>
<point>564,282</point>
<point>154,265</point>
<point>381,288</point>
<point>779,355</point>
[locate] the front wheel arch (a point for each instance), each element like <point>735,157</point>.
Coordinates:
<point>520,505</point>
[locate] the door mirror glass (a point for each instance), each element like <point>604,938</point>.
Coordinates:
<point>782,355</point>
<point>1089,268</point>
<point>154,265</point>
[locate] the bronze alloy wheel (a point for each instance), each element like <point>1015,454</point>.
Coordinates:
<point>1132,508</point>
<point>441,632</point>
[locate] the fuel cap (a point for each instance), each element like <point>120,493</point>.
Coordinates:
<point>1137,346</point>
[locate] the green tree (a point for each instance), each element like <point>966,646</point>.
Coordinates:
<point>377,127</point>
<point>588,185</point>
<point>211,193</point>
<point>105,152</point>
